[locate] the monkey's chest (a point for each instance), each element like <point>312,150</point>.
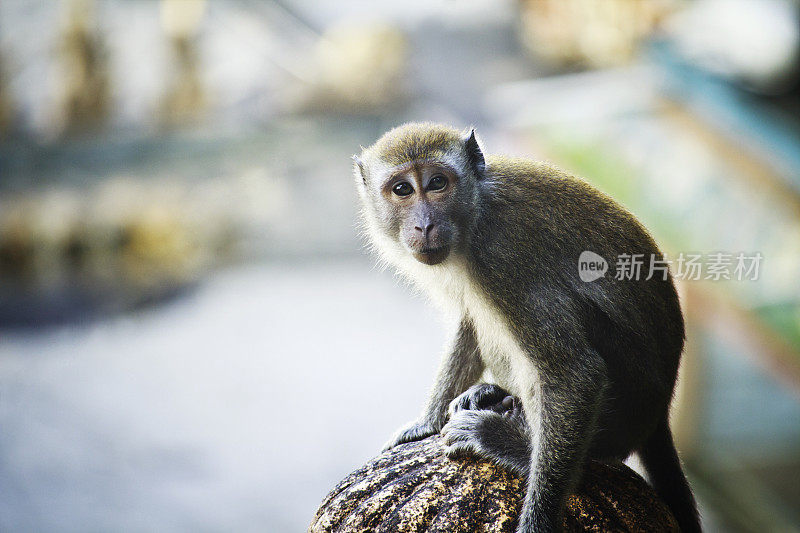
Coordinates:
<point>511,367</point>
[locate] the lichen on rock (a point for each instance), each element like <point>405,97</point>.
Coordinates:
<point>415,488</point>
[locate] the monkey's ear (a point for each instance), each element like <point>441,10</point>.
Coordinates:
<point>358,165</point>
<point>474,153</point>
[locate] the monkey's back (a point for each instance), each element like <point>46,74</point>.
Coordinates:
<point>635,325</point>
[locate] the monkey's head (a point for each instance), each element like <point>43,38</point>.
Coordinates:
<point>418,188</point>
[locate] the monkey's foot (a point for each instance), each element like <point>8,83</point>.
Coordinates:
<point>486,396</point>
<point>412,432</point>
<point>487,422</point>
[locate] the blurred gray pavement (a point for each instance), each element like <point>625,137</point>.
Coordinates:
<point>233,409</point>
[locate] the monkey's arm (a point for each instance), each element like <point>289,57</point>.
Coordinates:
<point>572,392</point>
<point>460,368</point>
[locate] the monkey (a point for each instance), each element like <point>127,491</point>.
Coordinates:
<point>495,241</point>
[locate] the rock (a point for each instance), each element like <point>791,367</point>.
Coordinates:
<point>415,487</point>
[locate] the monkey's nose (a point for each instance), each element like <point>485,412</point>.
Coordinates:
<point>426,230</point>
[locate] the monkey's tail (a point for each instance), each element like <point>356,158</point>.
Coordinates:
<point>663,466</point>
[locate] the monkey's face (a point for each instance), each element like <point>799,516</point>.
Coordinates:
<point>419,206</point>
<point>419,200</point>
<point>417,186</point>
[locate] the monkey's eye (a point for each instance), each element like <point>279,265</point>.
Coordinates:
<point>437,183</point>
<point>402,189</point>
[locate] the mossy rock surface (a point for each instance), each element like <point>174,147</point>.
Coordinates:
<point>415,488</point>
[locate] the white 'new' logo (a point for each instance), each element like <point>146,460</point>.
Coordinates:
<point>591,266</point>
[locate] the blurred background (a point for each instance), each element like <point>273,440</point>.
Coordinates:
<point>192,336</point>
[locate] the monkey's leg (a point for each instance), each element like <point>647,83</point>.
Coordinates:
<point>460,368</point>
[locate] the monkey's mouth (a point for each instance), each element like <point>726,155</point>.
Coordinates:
<point>432,256</point>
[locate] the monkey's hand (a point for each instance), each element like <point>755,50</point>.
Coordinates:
<point>487,422</point>
<point>414,431</point>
